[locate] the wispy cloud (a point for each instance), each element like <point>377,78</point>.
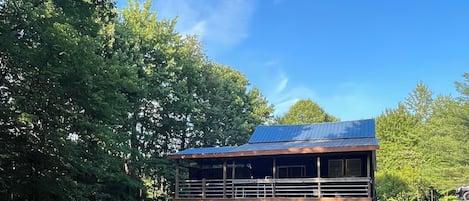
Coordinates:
<point>270,63</point>
<point>346,100</point>
<point>283,107</point>
<point>278,90</point>
<point>199,29</point>
<point>282,84</point>
<point>289,96</point>
<point>219,24</point>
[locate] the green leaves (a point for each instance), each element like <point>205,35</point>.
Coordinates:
<point>183,100</point>
<point>91,103</point>
<point>305,112</point>
<point>419,102</point>
<point>422,144</point>
<point>67,100</point>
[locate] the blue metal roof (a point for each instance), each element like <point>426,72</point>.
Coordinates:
<point>208,150</point>
<point>307,144</point>
<point>285,137</point>
<point>320,131</point>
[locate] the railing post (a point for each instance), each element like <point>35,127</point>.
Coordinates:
<point>318,166</point>
<point>224,179</point>
<point>274,175</point>
<point>233,169</point>
<point>176,188</point>
<point>203,187</point>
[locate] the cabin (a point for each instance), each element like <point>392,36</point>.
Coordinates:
<point>314,162</point>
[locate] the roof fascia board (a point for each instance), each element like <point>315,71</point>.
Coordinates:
<point>276,152</point>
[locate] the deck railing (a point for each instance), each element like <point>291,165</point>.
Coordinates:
<point>285,187</point>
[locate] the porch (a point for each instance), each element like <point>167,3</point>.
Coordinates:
<point>306,176</point>
<point>307,188</point>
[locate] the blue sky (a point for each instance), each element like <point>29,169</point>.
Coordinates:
<point>353,58</point>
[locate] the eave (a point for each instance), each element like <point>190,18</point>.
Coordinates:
<point>290,151</point>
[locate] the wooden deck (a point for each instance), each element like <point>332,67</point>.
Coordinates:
<point>274,199</point>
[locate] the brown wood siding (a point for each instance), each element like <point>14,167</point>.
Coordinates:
<point>276,152</point>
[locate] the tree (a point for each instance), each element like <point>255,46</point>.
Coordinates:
<point>420,144</point>
<point>419,102</point>
<point>165,64</point>
<point>305,112</point>
<point>64,103</point>
<point>231,111</point>
<point>399,157</point>
<point>184,100</point>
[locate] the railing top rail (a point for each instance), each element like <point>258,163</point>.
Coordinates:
<point>346,179</point>
<point>312,179</point>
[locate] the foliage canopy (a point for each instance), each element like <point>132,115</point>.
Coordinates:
<point>305,112</point>
<point>92,100</point>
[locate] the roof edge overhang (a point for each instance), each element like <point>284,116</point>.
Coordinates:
<point>313,150</point>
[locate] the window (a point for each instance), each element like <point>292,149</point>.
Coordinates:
<point>335,168</point>
<point>353,167</point>
<point>291,171</point>
<point>344,168</point>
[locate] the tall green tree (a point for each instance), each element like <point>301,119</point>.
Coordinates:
<point>64,103</point>
<point>420,101</point>
<point>305,112</point>
<point>184,99</point>
<point>399,158</point>
<point>167,75</point>
<point>231,111</point>
<point>421,146</point>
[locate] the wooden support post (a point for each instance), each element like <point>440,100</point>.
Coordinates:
<point>274,175</point>
<point>368,165</point>
<point>233,173</point>
<point>368,173</point>
<point>318,165</point>
<point>373,170</point>
<point>176,189</point>
<point>224,179</point>
<point>274,168</point>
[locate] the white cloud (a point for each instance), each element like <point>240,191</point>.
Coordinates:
<point>283,107</point>
<point>198,29</point>
<point>278,90</point>
<point>219,24</point>
<point>287,98</point>
<point>347,100</point>
<point>282,84</point>
<point>271,63</point>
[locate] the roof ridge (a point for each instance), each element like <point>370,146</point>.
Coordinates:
<point>317,123</point>
<point>311,140</point>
